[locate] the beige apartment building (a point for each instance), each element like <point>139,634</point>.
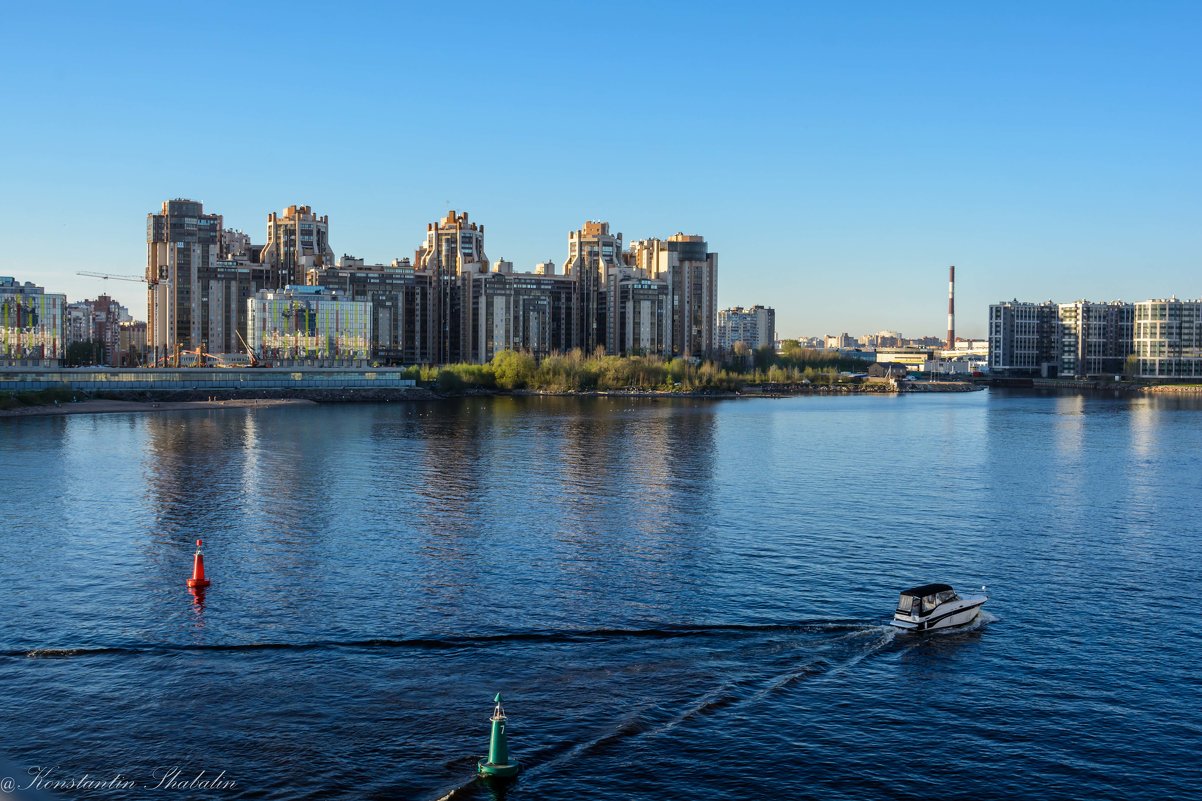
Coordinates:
<point>297,241</point>
<point>182,244</point>
<point>690,270</point>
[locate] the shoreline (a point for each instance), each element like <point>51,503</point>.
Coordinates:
<point>1171,389</point>
<point>109,406</point>
<point>159,402</point>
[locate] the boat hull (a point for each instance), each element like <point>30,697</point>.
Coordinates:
<point>966,612</point>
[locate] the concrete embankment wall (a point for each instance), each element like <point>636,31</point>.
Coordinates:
<point>200,378</point>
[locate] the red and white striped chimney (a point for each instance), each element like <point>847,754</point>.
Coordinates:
<point>951,307</point>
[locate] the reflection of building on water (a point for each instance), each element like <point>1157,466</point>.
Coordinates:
<point>1143,420</point>
<point>213,467</point>
<point>655,451</point>
<point>590,448</point>
<point>185,480</point>
<point>1069,430</point>
<point>451,473</point>
<point>253,486</point>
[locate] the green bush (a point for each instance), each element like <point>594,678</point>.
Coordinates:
<point>513,369</point>
<point>448,381</point>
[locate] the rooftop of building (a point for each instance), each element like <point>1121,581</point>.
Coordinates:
<point>594,228</point>
<point>295,212</point>
<point>12,285</point>
<point>453,220</point>
<point>746,310</point>
<point>182,206</point>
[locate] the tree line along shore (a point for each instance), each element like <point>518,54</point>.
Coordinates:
<point>597,372</point>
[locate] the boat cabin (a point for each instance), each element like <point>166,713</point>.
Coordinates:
<point>926,597</point>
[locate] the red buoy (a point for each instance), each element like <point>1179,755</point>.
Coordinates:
<point>198,580</point>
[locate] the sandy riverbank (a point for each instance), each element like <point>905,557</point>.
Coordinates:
<point>111,406</point>
<point>1180,389</point>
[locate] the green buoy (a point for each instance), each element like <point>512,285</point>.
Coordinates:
<point>498,762</point>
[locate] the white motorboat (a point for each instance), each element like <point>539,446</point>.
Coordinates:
<point>935,606</point>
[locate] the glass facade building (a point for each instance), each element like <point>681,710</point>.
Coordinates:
<point>305,323</point>
<point>32,325</point>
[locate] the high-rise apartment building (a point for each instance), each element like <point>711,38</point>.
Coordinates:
<point>754,327</point>
<point>592,253</point>
<point>182,246</point>
<point>234,281</point>
<point>542,313</point>
<point>1060,340</point>
<point>485,315</point>
<point>1024,338</point>
<point>453,246</point>
<point>1168,338</point>
<point>297,241</point>
<point>638,319</point>
<point>685,263</point>
<point>77,322</point>
<point>236,246</point>
<point>1095,338</point>
<point>206,291</point>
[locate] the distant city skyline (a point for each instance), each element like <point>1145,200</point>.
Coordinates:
<point>839,161</point>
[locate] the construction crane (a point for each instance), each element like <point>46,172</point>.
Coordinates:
<point>254,361</point>
<point>139,278</point>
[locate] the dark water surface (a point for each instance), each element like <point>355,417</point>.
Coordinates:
<point>679,599</point>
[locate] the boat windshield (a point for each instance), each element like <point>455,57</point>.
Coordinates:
<point>925,604</point>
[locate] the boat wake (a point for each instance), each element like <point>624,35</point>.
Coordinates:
<point>668,631</point>
<point>855,643</point>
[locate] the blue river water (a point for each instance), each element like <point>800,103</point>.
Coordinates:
<point>677,598</point>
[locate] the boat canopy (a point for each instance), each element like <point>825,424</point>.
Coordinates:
<point>927,589</point>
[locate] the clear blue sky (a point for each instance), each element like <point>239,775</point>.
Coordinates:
<point>838,156</point>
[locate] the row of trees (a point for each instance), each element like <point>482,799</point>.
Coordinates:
<point>578,372</point>
<point>86,353</point>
